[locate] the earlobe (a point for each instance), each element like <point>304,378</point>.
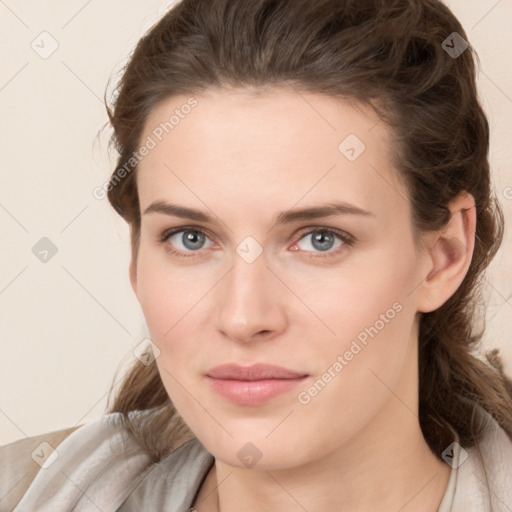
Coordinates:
<point>449,255</point>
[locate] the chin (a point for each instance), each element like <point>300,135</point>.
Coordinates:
<point>252,449</point>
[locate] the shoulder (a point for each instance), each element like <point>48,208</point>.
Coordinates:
<point>101,457</point>
<point>484,480</point>
<point>21,460</point>
<point>72,459</point>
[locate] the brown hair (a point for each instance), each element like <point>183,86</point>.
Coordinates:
<point>389,55</point>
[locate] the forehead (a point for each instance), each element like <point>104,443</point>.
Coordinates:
<point>277,145</point>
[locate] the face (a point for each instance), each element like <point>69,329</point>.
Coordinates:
<point>242,262</point>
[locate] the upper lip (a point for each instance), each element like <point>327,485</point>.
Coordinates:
<point>258,371</point>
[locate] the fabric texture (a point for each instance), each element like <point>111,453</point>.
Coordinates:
<point>99,467</point>
<point>20,462</point>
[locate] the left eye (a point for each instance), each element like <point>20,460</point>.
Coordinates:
<point>322,240</point>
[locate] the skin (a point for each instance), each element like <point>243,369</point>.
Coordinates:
<point>243,158</point>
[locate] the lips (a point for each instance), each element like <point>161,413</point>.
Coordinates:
<point>254,372</point>
<point>252,385</point>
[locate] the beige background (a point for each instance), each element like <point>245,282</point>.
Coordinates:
<point>68,324</point>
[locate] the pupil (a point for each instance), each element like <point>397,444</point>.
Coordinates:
<point>322,241</point>
<point>192,240</point>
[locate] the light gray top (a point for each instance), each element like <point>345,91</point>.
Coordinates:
<point>99,467</point>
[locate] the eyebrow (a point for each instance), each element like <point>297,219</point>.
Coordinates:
<point>285,217</point>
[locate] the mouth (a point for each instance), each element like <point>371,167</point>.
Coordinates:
<point>252,385</point>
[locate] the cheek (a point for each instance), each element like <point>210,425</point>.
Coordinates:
<point>369,311</point>
<point>171,300</point>
<point>368,355</point>
<point>168,294</point>
<point>382,325</point>
<point>366,291</point>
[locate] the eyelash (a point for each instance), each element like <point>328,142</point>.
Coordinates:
<point>348,240</point>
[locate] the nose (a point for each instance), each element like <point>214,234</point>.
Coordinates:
<point>251,302</point>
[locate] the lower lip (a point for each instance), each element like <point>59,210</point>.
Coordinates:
<point>253,392</point>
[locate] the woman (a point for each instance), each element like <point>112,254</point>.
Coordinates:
<point>308,192</point>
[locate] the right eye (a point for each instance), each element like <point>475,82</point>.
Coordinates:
<point>184,240</point>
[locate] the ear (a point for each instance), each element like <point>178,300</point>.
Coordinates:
<point>133,275</point>
<point>133,265</point>
<point>448,254</point>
